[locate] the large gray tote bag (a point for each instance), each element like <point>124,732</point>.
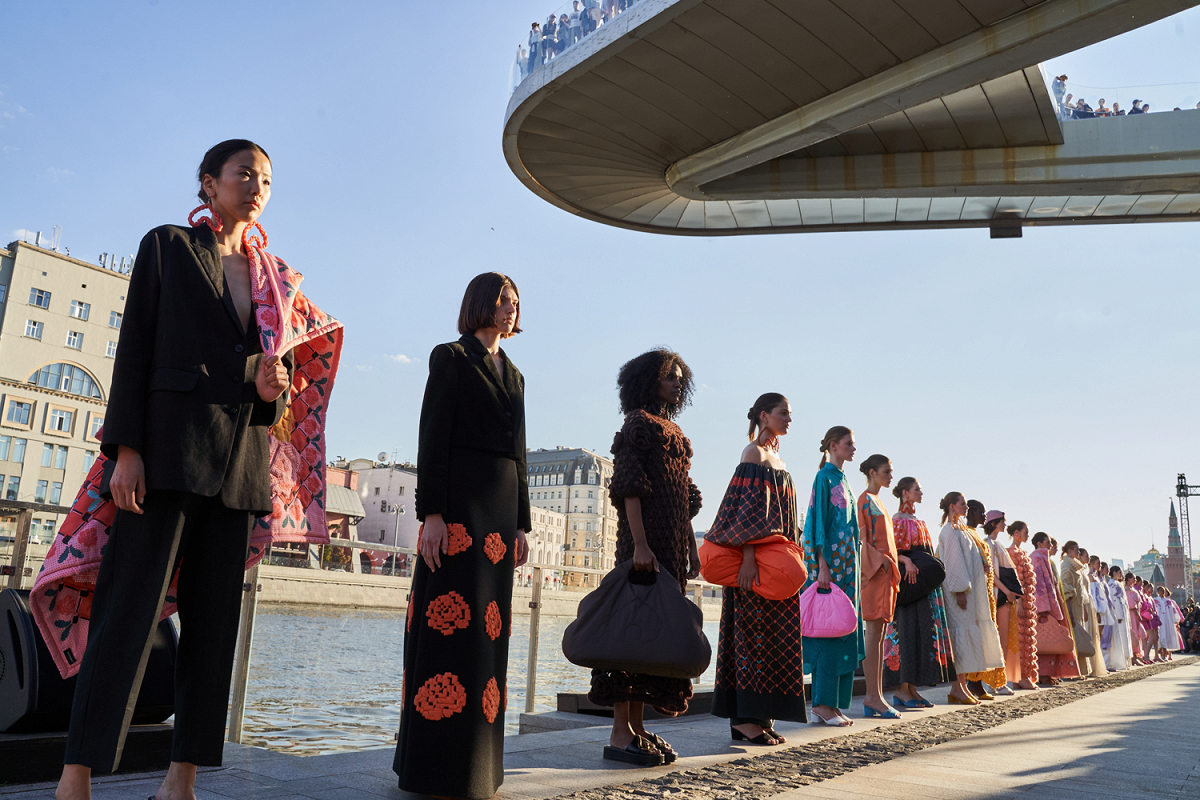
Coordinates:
<point>638,622</point>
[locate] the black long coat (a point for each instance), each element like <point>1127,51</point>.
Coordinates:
<point>183,389</point>
<point>467,405</point>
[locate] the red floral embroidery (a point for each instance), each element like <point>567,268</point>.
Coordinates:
<point>491,619</point>
<point>459,539</point>
<point>448,613</point>
<point>440,697</point>
<point>491,699</point>
<point>493,548</point>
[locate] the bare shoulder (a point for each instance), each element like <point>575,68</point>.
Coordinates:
<point>753,454</point>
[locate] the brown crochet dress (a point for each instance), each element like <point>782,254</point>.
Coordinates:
<point>651,457</point>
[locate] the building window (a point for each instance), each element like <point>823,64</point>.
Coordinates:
<point>19,412</point>
<point>114,319</point>
<point>381,535</point>
<point>60,458</point>
<point>80,310</point>
<point>377,491</point>
<point>75,340</point>
<point>589,495</point>
<point>39,298</point>
<point>577,493</point>
<point>39,496</point>
<point>401,491</point>
<point>47,455</point>
<point>14,486</point>
<point>67,377</point>
<point>60,420</point>
<point>589,509</point>
<point>592,478</point>
<point>3,293</point>
<point>94,425</point>
<point>111,351</point>
<point>33,329</point>
<point>5,443</point>
<point>89,458</point>
<point>18,454</point>
<point>55,493</point>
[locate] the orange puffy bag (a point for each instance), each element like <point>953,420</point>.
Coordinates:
<point>781,570</point>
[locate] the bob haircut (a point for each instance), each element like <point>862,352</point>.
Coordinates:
<point>214,160</point>
<point>637,382</point>
<point>481,300</point>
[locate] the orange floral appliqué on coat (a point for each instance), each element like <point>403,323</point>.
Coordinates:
<point>459,539</point>
<point>491,619</point>
<point>448,613</point>
<point>408,623</point>
<point>493,548</point>
<point>440,697</point>
<point>491,699</point>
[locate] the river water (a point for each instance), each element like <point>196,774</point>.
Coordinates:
<point>324,680</point>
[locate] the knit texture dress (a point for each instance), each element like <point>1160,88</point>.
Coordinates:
<point>651,458</point>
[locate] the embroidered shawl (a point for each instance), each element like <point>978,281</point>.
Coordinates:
<point>61,599</point>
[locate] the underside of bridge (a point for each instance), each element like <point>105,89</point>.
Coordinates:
<point>716,117</point>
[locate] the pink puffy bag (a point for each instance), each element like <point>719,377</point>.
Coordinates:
<point>827,615</point>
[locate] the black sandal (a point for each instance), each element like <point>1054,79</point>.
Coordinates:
<point>668,753</point>
<point>777,737</point>
<point>639,752</point>
<point>762,739</point>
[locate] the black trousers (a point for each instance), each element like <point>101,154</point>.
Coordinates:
<point>135,572</point>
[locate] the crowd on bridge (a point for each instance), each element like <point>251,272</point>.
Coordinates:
<point>1071,107</point>
<point>562,30</point>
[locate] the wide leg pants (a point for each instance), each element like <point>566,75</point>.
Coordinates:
<point>210,541</point>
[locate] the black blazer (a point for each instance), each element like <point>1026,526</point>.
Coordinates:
<point>183,392</point>
<point>467,405</point>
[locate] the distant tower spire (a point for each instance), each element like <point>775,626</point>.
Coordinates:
<point>1175,564</point>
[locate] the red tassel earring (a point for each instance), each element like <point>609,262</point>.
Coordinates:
<point>214,221</point>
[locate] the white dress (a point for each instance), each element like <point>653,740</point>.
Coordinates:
<point>1168,633</point>
<point>1119,654</point>
<point>973,636</point>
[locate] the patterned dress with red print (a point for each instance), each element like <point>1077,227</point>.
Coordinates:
<point>916,644</point>
<point>760,665</point>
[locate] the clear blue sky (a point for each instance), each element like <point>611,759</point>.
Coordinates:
<point>1052,377</point>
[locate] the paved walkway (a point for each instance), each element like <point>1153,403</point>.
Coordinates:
<point>1141,740</point>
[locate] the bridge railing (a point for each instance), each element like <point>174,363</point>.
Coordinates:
<point>1075,101</point>
<point>572,23</point>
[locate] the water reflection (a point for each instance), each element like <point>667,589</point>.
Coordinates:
<point>326,680</point>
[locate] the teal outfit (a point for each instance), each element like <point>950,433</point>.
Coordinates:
<point>831,527</point>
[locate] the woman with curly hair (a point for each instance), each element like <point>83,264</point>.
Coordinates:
<point>831,551</point>
<point>655,501</point>
<point>760,677</point>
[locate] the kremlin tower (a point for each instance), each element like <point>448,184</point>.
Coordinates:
<point>1175,564</point>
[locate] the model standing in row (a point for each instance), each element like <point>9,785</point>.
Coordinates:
<point>831,544</point>
<point>1008,595</point>
<point>760,677</point>
<point>656,500</point>
<point>1026,620</point>
<point>473,498</point>
<point>968,585</point>
<point>880,580</point>
<point>917,646</point>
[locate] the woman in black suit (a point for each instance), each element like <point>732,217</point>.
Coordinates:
<point>473,497</point>
<point>190,407</point>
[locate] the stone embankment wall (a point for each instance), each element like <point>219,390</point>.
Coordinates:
<point>328,588</point>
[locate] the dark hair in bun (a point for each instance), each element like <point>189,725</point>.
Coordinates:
<point>902,486</point>
<point>766,402</point>
<point>874,462</point>
<point>947,501</point>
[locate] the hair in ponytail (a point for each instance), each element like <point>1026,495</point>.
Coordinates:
<point>834,434</point>
<point>874,462</point>
<point>766,402</point>
<point>902,486</point>
<point>950,499</point>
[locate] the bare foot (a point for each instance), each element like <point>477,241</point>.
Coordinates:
<point>75,783</point>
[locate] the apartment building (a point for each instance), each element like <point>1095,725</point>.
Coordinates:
<point>59,323</point>
<point>574,482</point>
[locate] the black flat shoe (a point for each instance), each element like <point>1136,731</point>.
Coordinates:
<point>762,739</point>
<point>668,753</point>
<point>639,752</point>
